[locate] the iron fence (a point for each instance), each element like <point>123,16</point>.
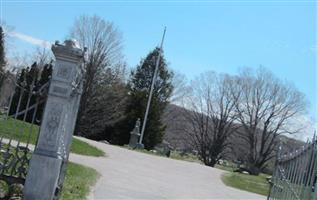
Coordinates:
<point>295,174</point>
<point>19,116</point>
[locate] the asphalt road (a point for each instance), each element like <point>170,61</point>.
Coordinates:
<point>127,174</point>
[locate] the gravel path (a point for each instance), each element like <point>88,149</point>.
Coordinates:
<point>132,175</point>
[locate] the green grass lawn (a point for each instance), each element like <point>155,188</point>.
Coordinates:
<point>78,181</point>
<point>18,130</point>
<point>256,184</point>
<point>84,148</point>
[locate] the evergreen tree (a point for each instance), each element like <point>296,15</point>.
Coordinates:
<point>44,78</point>
<point>32,79</point>
<point>29,79</point>
<point>45,74</point>
<point>2,56</point>
<point>21,80</point>
<point>139,87</point>
<point>32,76</point>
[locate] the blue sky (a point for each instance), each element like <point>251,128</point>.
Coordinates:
<point>201,35</point>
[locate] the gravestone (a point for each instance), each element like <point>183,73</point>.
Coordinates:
<point>57,127</point>
<point>134,135</point>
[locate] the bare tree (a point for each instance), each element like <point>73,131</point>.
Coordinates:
<point>181,88</point>
<point>42,56</point>
<point>265,107</point>
<point>210,114</point>
<point>103,41</point>
<point>106,106</point>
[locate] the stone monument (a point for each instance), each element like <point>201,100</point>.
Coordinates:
<point>135,134</point>
<point>58,123</point>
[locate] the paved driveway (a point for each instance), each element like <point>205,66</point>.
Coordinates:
<point>131,175</point>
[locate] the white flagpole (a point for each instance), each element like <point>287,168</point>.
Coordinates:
<point>152,88</point>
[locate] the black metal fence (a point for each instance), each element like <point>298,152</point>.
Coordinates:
<point>295,174</point>
<point>20,115</point>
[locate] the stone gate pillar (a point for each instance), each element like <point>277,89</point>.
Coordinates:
<point>58,123</point>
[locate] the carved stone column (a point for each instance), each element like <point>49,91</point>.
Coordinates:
<point>58,123</point>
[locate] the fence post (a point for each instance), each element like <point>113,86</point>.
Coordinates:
<point>58,123</point>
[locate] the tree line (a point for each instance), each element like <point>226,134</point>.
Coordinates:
<point>30,80</point>
<point>254,106</point>
<point>2,56</point>
<point>112,100</point>
<point>110,105</point>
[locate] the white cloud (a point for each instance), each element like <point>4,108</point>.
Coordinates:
<point>30,39</point>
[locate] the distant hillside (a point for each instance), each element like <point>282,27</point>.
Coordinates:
<point>175,123</point>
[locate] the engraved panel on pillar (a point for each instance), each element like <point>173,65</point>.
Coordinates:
<point>50,126</point>
<point>60,91</point>
<point>64,72</point>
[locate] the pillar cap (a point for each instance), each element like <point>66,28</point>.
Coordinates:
<point>69,50</point>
